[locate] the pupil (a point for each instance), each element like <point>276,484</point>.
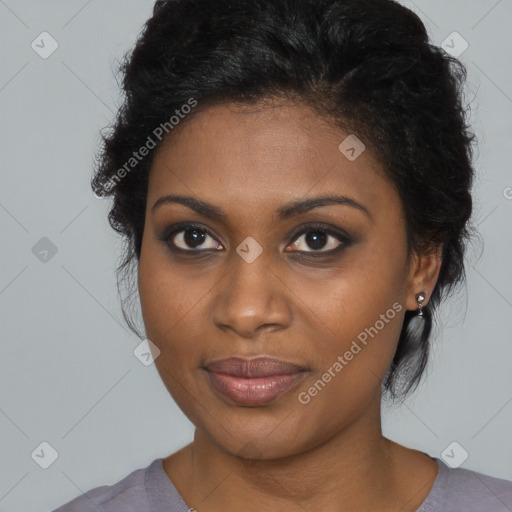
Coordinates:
<point>192,237</point>
<point>316,241</point>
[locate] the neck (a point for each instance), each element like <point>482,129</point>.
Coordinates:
<point>357,469</point>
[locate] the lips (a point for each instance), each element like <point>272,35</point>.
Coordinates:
<point>253,368</point>
<point>253,382</point>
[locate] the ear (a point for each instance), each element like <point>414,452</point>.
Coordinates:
<point>423,274</point>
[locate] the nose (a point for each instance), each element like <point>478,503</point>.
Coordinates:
<point>251,298</point>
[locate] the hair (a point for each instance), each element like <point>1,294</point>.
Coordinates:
<point>366,65</point>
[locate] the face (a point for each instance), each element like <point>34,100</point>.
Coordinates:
<point>276,273</point>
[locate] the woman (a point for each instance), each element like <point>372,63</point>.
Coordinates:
<point>293,181</point>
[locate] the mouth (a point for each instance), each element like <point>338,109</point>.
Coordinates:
<point>253,382</point>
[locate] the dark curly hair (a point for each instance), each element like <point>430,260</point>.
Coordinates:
<point>366,65</point>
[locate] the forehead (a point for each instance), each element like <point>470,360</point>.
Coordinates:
<point>265,155</point>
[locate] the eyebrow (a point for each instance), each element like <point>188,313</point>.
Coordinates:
<point>284,212</point>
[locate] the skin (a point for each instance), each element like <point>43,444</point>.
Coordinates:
<point>328,454</point>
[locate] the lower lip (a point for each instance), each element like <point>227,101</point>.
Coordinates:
<point>253,391</point>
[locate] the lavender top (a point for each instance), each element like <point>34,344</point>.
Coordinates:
<point>150,490</point>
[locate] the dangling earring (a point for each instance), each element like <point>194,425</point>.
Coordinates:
<point>419,299</point>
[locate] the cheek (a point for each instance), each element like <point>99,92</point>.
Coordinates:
<point>173,304</point>
<point>358,311</point>
<point>352,362</point>
<point>168,319</point>
<point>165,297</point>
<point>353,296</point>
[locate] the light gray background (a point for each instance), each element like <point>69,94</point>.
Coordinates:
<point>68,375</point>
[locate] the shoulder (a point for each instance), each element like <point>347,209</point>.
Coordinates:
<point>457,489</point>
<point>126,495</point>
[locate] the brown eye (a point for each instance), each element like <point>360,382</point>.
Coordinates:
<point>191,239</point>
<point>319,240</point>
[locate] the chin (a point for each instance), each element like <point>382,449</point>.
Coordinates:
<point>261,443</point>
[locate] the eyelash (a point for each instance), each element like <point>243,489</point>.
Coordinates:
<point>342,237</point>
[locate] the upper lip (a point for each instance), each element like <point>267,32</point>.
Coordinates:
<point>255,367</point>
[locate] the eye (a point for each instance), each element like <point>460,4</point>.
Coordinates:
<point>320,239</point>
<point>191,239</point>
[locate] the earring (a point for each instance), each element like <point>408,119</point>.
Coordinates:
<point>419,299</point>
